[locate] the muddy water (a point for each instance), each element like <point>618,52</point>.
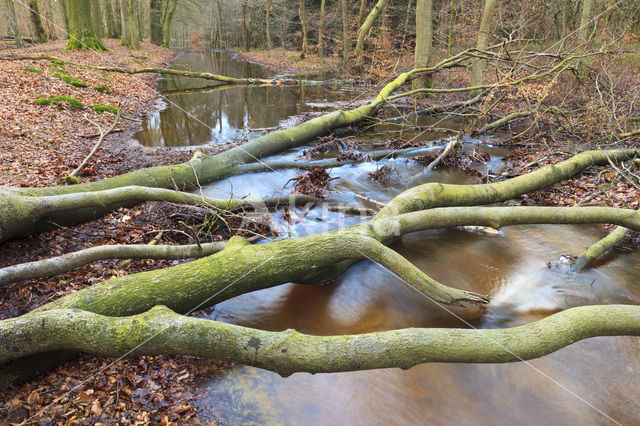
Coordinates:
<point>591,382</point>
<point>197,112</point>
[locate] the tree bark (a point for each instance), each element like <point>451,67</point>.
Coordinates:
<point>125,39</point>
<point>424,41</point>
<point>319,258</point>
<point>134,29</point>
<point>362,31</point>
<point>167,16</point>
<point>477,72</point>
<point>268,23</point>
<point>82,34</point>
<point>585,21</point>
<point>13,23</point>
<point>155,16</point>
<point>345,34</point>
<point>303,23</point>
<point>162,331</point>
<point>321,29</point>
<point>598,249</point>
<point>38,28</point>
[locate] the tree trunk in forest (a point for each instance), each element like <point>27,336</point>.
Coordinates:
<point>345,34</point>
<point>268,23</point>
<point>220,21</point>
<point>303,23</point>
<point>96,18</point>
<point>361,13</point>
<point>246,40</point>
<point>45,9</point>
<point>109,19</point>
<point>167,16</point>
<point>406,23</point>
<point>424,41</point>
<point>477,72</point>
<point>564,16</point>
<point>364,30</point>
<point>321,29</point>
<point>13,23</point>
<point>36,21</point>
<point>65,14</point>
<point>585,22</point>
<point>82,34</point>
<point>134,29</point>
<point>155,16</point>
<point>125,39</point>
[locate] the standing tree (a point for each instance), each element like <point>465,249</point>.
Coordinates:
<point>13,23</point>
<point>268,13</point>
<point>345,34</point>
<point>587,5</point>
<point>477,72</point>
<point>38,28</point>
<point>134,28</point>
<point>125,39</point>
<point>82,34</point>
<point>303,22</point>
<point>321,30</point>
<point>424,41</point>
<point>167,15</point>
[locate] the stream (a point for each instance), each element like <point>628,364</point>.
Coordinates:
<point>596,381</point>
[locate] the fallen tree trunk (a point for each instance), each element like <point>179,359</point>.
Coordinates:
<point>598,249</point>
<point>200,169</point>
<point>162,331</point>
<point>316,259</point>
<point>24,215</point>
<point>67,262</point>
<point>184,73</point>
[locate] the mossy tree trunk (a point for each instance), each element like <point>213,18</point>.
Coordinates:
<point>156,21</point>
<point>345,33</point>
<point>167,17</point>
<point>486,23</point>
<point>125,38</point>
<point>134,29</point>
<point>366,26</point>
<point>585,16</point>
<point>92,319</point>
<point>321,29</point>
<point>303,23</point>
<point>424,41</point>
<point>96,18</point>
<point>268,23</point>
<point>36,21</point>
<point>82,34</point>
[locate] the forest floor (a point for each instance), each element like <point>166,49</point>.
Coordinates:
<point>39,145</point>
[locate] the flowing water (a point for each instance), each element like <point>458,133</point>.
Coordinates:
<point>596,381</point>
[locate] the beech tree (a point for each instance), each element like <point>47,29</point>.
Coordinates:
<point>82,34</point>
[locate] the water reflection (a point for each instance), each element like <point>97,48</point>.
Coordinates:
<point>199,112</point>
